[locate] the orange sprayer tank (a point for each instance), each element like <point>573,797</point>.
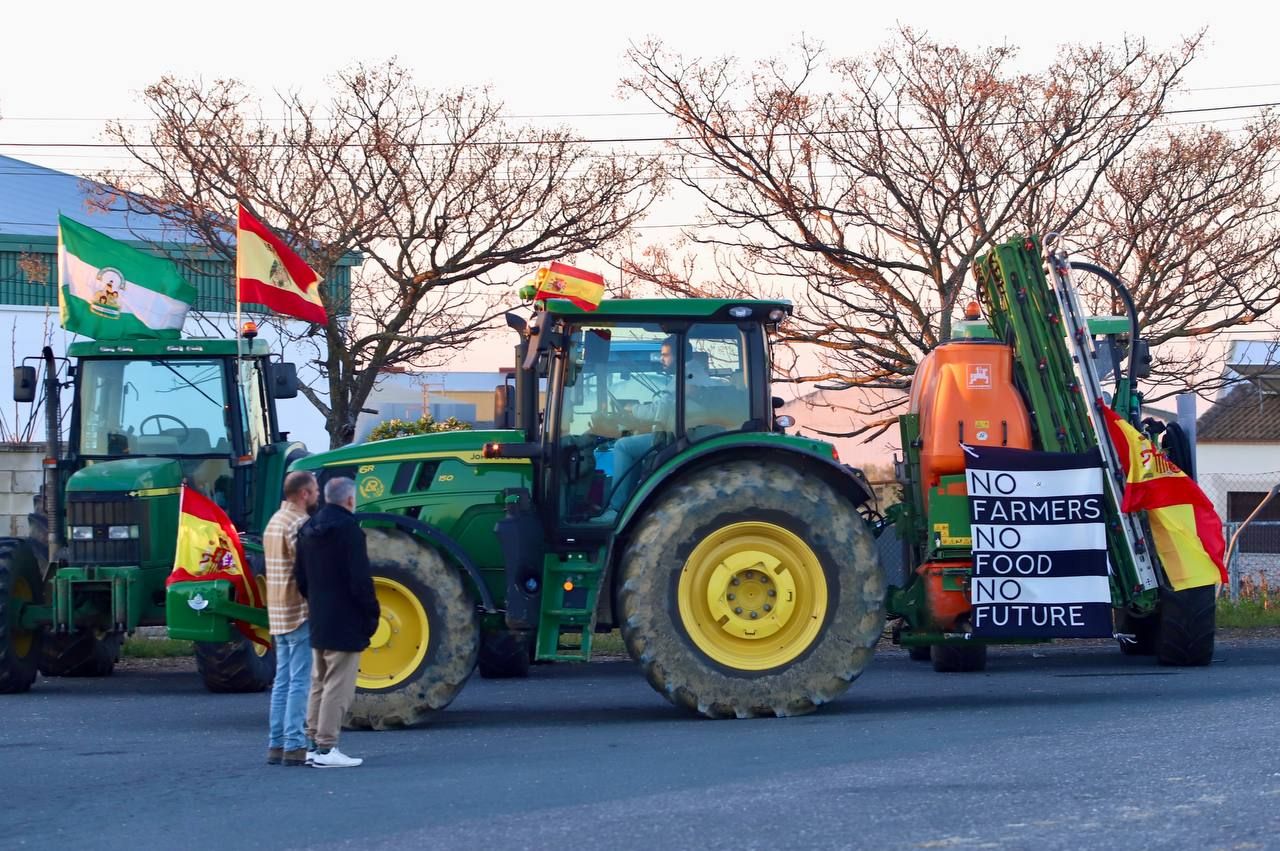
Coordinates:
<point>963,391</point>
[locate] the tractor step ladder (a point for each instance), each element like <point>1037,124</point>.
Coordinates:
<point>568,608</point>
<point>1085,357</point>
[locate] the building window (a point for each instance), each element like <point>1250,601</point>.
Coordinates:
<point>1263,534</point>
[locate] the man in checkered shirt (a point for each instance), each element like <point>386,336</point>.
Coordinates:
<point>291,730</point>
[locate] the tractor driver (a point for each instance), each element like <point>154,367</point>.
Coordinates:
<point>660,413</point>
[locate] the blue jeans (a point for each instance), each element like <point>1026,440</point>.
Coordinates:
<point>290,690</point>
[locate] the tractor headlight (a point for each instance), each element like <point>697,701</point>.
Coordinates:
<point>740,311</point>
<point>122,533</point>
<point>82,533</point>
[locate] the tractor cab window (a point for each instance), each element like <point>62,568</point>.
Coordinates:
<point>715,381</point>
<point>254,422</point>
<point>173,408</point>
<point>617,411</point>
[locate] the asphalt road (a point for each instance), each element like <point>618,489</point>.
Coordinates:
<point>1053,747</point>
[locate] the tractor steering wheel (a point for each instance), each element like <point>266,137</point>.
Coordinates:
<point>186,431</point>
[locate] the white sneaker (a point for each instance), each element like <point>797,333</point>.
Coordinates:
<point>311,757</point>
<point>334,759</point>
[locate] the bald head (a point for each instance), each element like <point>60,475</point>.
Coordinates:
<point>300,489</point>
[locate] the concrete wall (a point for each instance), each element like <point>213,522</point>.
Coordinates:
<point>20,476</point>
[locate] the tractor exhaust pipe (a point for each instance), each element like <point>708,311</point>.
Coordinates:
<point>53,451</point>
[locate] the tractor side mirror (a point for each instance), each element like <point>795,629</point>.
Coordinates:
<point>282,380</point>
<point>1140,359</point>
<point>504,406</point>
<point>24,384</point>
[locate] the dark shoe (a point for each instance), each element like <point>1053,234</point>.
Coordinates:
<point>296,757</point>
<point>275,756</point>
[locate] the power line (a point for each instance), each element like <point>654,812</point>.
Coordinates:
<point>611,140</point>
<point>521,117</point>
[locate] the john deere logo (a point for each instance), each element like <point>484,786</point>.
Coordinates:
<point>372,488</point>
<point>106,297</point>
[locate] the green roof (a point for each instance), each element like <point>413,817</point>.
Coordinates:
<point>160,348</point>
<point>668,308</point>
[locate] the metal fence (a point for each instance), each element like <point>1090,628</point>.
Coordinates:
<point>1256,556</point>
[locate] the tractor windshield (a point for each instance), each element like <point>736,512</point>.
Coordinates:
<point>165,408</point>
<point>623,391</point>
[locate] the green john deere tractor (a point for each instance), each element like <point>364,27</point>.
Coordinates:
<point>638,480</point>
<point>146,416</point>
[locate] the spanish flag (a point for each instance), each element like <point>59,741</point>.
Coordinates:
<point>1187,530</point>
<point>585,289</point>
<point>271,274</point>
<point>209,548</point>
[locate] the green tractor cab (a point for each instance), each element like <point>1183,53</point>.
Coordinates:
<point>639,482</point>
<point>147,417</point>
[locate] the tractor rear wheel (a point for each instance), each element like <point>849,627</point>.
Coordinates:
<point>241,665</point>
<point>751,589</point>
<point>1145,632</point>
<point>19,583</point>
<point>958,659</point>
<point>427,639</point>
<point>80,654</point>
<point>1188,620</point>
<point>505,654</point>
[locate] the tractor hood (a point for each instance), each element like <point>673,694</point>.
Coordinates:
<point>443,442</point>
<point>127,474</point>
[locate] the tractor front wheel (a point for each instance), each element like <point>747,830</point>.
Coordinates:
<point>751,589</point>
<point>505,654</point>
<point>80,654</point>
<point>427,638</point>
<point>19,584</point>
<point>242,664</point>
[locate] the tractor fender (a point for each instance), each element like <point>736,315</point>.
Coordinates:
<point>441,541</point>
<point>845,479</point>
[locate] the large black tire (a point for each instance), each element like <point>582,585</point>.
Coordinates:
<point>241,665</point>
<point>453,634</point>
<point>80,654</point>
<point>700,508</point>
<point>19,582</point>
<point>237,667</point>
<point>958,658</point>
<point>920,653</point>
<point>1145,632</point>
<point>1188,621</point>
<point>504,655</point>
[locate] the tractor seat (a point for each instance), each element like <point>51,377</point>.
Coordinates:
<point>153,444</point>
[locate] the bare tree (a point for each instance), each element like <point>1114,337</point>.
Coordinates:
<point>867,187</point>
<point>440,196</point>
<point>1192,222</point>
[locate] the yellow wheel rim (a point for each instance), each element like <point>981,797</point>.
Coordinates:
<point>21,640</point>
<point>399,644</point>
<point>752,596</point>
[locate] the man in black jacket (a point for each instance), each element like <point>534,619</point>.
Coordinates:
<point>333,575</point>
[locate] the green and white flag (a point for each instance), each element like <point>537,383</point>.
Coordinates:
<point>109,291</point>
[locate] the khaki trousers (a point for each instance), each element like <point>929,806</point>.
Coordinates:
<point>333,687</point>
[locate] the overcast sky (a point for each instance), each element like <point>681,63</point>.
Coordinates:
<point>78,63</point>
<point>67,67</point>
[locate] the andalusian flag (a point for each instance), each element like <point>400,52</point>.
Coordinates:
<point>209,548</point>
<point>110,291</point>
<point>271,274</point>
<point>585,289</point>
<point>1187,531</point>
